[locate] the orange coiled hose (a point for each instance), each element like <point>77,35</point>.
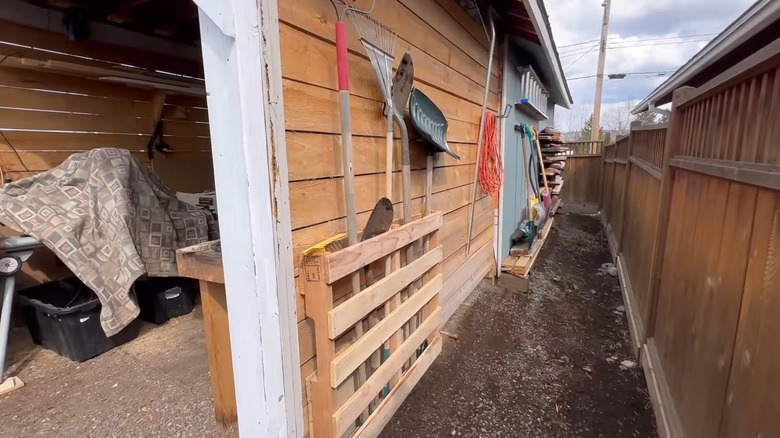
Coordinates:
<point>491,167</point>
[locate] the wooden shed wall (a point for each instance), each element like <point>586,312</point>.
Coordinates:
<point>450,57</point>
<point>46,115</point>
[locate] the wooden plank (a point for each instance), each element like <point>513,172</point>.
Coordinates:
<point>465,278</point>
<point>79,142</point>
<point>348,260</point>
<point>482,222</point>
<point>40,162</point>
<point>453,200</point>
<point>349,411</point>
<point>442,23</point>
<point>39,80</point>
<point>668,423</point>
<point>751,404</point>
<point>319,300</point>
<point>655,172</point>
<point>58,42</point>
<point>201,262</point>
<point>344,316</point>
<point>46,121</point>
<point>525,263</point>
<point>310,60</point>
<point>327,196</point>
<point>314,109</point>
<point>316,156</point>
<point>397,395</point>
<point>745,173</point>
<point>674,137</point>
<point>357,353</point>
<point>50,101</point>
<point>217,332</point>
<point>460,15</point>
<point>509,263</point>
<point>317,17</point>
<point>635,328</point>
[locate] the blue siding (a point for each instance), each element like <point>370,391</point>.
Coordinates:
<point>515,197</point>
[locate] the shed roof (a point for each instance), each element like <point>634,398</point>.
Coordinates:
<point>528,20</point>
<point>754,29</point>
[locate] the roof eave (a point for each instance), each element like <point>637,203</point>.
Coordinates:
<point>538,15</point>
<point>752,21</point>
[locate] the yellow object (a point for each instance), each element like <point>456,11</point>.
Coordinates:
<point>320,247</point>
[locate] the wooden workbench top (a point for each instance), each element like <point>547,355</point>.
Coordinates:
<point>202,261</point>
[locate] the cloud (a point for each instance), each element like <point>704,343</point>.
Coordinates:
<point>577,21</point>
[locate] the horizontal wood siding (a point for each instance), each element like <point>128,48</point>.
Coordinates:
<point>450,57</point>
<point>46,117</point>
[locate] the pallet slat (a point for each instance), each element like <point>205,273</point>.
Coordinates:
<point>344,316</point>
<point>397,395</point>
<point>350,411</point>
<point>348,260</point>
<point>351,358</point>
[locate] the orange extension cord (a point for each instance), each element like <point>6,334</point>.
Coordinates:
<point>491,167</point>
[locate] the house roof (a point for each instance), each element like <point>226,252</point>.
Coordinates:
<point>534,12</point>
<point>754,29</point>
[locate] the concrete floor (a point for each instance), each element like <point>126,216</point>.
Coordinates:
<point>154,386</point>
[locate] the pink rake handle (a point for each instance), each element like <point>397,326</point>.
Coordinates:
<point>341,56</point>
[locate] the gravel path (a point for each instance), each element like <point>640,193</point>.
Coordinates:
<point>546,363</point>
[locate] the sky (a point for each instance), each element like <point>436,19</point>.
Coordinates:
<point>631,22</point>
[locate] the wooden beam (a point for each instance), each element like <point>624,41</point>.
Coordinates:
<point>353,356</point>
<point>215,320</point>
<point>760,175</point>
<point>655,172</point>
<point>673,144</point>
<point>344,316</point>
<point>244,81</point>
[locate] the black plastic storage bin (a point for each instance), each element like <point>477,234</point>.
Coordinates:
<point>64,316</point>
<point>163,298</point>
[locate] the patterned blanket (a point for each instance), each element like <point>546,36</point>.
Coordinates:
<point>110,220</point>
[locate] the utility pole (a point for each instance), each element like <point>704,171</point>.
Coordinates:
<point>596,128</point>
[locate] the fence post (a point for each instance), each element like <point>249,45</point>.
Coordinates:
<point>631,137</point>
<point>673,138</point>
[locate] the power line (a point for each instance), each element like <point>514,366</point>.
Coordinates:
<point>578,44</point>
<point>566,46</point>
<point>648,74</point>
<point>630,45</point>
<point>583,55</point>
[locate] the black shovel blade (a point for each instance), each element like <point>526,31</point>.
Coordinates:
<point>380,220</point>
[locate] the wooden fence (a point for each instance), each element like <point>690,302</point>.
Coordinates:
<point>693,215</point>
<point>583,177</point>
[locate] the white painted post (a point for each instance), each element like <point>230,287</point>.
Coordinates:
<point>240,43</point>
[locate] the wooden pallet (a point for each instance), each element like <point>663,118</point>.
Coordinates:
<point>407,337</point>
<point>521,266</point>
<point>556,203</point>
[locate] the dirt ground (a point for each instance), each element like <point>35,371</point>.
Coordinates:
<point>546,363</point>
<point>154,386</point>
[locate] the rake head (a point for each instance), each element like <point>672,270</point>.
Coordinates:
<point>372,31</point>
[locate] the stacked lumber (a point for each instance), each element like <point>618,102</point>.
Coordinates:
<point>554,153</point>
<point>521,260</point>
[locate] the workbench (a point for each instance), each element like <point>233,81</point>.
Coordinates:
<point>204,263</point>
